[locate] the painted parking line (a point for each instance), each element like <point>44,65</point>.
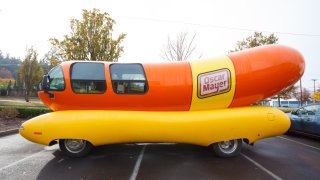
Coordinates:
<point>299,143</point>
<point>21,160</point>
<point>262,168</point>
<point>138,163</point>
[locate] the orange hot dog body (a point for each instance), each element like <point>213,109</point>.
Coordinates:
<point>264,71</point>
<point>255,74</point>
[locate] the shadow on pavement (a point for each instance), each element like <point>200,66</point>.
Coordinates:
<point>106,162</point>
<point>160,161</point>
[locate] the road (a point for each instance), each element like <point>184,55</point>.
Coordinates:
<point>283,157</point>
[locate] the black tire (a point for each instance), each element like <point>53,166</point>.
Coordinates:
<point>75,147</point>
<point>226,149</point>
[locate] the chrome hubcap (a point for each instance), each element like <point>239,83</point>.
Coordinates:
<point>228,146</point>
<point>75,145</point>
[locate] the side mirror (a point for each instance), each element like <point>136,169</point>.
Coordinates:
<point>294,112</point>
<point>45,83</point>
<point>298,112</point>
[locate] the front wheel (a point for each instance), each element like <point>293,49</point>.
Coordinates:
<point>75,147</point>
<point>227,149</point>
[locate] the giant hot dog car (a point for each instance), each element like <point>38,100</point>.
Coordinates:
<point>202,102</point>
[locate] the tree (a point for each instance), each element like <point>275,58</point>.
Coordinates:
<point>50,60</point>
<point>286,93</point>
<point>9,87</point>
<point>316,96</point>
<point>90,39</point>
<point>9,63</point>
<point>15,86</point>
<point>179,49</point>
<point>257,39</point>
<point>305,95</point>
<point>5,73</point>
<point>30,72</point>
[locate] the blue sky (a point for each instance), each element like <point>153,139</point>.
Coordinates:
<point>218,25</point>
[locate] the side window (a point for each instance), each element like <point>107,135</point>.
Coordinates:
<point>88,78</point>
<point>56,79</point>
<point>128,79</point>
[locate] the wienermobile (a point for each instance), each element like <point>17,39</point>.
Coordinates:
<point>201,102</point>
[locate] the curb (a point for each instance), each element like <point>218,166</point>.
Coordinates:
<point>8,132</point>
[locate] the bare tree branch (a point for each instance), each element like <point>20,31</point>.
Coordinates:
<point>180,49</point>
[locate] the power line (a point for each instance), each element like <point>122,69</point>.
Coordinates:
<point>218,26</point>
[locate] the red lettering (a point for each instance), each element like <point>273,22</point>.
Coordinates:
<point>206,87</point>
<point>206,80</point>
<point>214,83</point>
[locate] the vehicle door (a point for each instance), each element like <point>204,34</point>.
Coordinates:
<point>310,119</point>
<point>313,121</point>
<point>296,117</point>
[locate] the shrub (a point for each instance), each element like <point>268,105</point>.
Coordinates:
<point>9,113</point>
<point>3,92</point>
<point>28,112</point>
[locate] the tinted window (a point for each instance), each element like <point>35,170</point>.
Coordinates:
<point>307,110</point>
<point>88,71</point>
<point>88,78</point>
<point>128,79</point>
<point>56,79</point>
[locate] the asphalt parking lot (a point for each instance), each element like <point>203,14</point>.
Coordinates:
<point>282,157</point>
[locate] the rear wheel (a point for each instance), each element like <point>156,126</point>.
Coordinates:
<point>229,148</point>
<point>75,147</point>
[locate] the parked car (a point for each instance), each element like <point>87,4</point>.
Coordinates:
<point>306,120</point>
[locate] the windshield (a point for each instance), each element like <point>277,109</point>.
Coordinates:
<point>56,79</point>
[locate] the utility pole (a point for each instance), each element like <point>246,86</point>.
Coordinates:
<point>314,89</point>
<point>300,93</point>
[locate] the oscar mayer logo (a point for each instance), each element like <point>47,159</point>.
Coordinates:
<point>214,83</point>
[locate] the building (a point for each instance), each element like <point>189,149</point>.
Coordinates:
<point>287,102</point>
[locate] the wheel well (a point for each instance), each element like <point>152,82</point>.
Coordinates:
<point>247,141</point>
<point>243,139</point>
<point>53,142</point>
